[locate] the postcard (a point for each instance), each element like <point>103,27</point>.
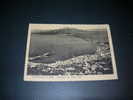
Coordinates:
<point>69,52</point>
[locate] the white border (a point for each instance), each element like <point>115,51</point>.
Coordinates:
<point>74,77</point>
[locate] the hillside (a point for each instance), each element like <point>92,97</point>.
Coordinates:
<point>98,63</point>
<point>100,34</point>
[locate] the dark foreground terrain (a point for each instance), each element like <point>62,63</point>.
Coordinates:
<point>97,63</point>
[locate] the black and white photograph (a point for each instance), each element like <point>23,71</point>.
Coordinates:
<point>69,52</point>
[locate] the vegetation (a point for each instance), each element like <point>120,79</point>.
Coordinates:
<point>87,64</point>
